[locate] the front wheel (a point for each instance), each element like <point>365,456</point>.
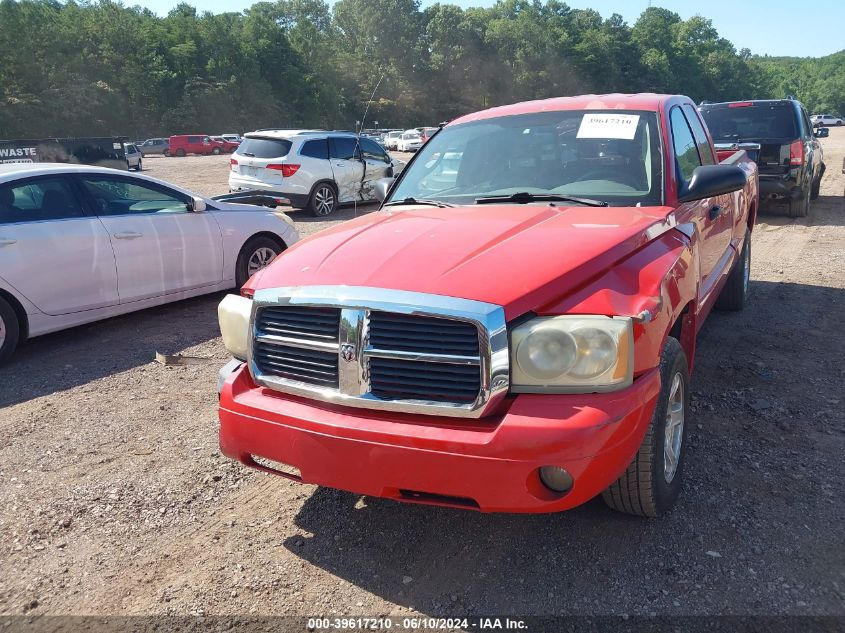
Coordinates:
<point>9,330</point>
<point>323,200</point>
<point>652,482</point>
<point>180,153</point>
<point>257,253</point>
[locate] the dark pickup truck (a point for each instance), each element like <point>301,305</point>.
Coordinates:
<point>789,157</point>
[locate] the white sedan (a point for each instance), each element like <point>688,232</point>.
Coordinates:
<point>81,243</point>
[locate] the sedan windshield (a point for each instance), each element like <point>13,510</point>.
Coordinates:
<point>608,156</point>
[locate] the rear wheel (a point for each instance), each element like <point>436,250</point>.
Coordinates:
<point>9,330</point>
<point>652,482</point>
<point>255,255</point>
<point>735,292</point>
<point>323,200</point>
<point>215,151</point>
<point>800,208</point>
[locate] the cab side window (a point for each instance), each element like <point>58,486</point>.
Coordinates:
<point>686,152</point>
<point>344,147</point>
<point>37,201</point>
<point>701,140</point>
<point>113,196</point>
<point>318,148</point>
<point>373,151</point>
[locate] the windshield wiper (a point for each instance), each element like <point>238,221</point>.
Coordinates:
<point>523,197</point>
<point>434,203</point>
<point>251,155</point>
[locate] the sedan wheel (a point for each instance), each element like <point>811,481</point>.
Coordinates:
<point>259,259</point>
<point>257,253</point>
<point>10,330</point>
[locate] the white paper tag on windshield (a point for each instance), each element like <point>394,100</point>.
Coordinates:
<point>601,125</point>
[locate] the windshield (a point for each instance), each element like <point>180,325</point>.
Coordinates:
<point>610,156</point>
<point>751,122</point>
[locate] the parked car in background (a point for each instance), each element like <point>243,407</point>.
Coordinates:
<point>790,160</point>
<point>826,120</point>
<point>183,144</point>
<point>227,146</point>
<point>108,151</point>
<point>133,157</point>
<point>391,140</point>
<point>426,132</point>
<point>232,138</point>
<point>315,170</point>
<point>410,141</point>
<point>519,339</point>
<point>80,243</point>
<point>154,146</point>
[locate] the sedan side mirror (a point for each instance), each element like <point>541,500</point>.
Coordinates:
<point>198,205</point>
<point>382,188</point>
<point>821,132</point>
<point>713,180</point>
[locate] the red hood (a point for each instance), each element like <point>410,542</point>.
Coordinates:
<point>516,256</point>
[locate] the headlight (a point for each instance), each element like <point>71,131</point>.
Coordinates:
<point>234,313</point>
<point>570,354</point>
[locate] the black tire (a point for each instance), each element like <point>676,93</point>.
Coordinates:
<point>323,200</point>
<point>735,291</point>
<point>10,330</point>
<point>140,165</point>
<point>180,153</point>
<point>216,151</point>
<point>800,208</point>
<point>167,153</point>
<point>251,249</point>
<point>643,488</point>
<point>817,184</point>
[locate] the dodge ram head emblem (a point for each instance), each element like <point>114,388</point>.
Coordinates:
<point>347,352</point>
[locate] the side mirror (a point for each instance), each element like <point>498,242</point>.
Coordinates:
<point>382,188</point>
<point>198,205</point>
<point>713,180</point>
<point>821,132</point>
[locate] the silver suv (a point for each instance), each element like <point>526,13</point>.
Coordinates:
<point>317,170</point>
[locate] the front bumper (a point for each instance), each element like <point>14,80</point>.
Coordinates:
<point>489,464</point>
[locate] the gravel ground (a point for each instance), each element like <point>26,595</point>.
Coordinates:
<point>114,498</point>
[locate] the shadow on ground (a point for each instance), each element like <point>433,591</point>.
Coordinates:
<point>742,528</point>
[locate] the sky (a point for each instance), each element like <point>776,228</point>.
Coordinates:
<point>767,27</point>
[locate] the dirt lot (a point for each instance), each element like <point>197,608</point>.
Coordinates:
<point>115,499</point>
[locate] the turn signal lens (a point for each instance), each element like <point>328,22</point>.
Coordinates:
<point>234,313</point>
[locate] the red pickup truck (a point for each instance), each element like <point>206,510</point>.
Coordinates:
<point>514,329</point>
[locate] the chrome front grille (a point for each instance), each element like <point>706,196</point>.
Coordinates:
<point>423,334</point>
<point>390,350</point>
<point>419,380</point>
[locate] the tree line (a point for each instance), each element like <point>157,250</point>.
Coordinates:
<point>71,69</point>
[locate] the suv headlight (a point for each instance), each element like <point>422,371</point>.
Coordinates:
<point>234,313</point>
<point>572,354</point>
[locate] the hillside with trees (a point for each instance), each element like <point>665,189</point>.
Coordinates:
<point>103,68</point>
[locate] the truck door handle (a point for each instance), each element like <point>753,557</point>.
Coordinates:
<point>127,235</point>
<point>714,212</point>
<point>5,242</point>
